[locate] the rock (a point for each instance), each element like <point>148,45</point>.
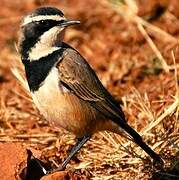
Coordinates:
<point>57,176</point>
<point>13,159</point>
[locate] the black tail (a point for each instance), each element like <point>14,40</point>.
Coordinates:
<point>138,140</point>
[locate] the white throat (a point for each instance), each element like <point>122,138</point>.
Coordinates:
<point>47,44</point>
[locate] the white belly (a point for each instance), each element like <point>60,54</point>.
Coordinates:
<point>61,107</point>
<point>50,96</point>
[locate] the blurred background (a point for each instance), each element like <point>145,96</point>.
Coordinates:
<point>133,47</point>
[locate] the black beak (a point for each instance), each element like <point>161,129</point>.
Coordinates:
<point>69,23</point>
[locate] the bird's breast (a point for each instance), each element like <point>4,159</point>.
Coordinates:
<point>63,108</point>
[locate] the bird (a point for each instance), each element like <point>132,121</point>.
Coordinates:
<point>64,87</point>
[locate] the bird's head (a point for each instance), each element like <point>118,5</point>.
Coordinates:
<point>41,30</point>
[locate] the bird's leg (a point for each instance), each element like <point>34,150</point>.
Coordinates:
<point>74,150</point>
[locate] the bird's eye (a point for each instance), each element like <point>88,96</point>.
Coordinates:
<point>43,22</point>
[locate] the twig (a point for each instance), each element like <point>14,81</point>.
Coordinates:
<point>153,47</point>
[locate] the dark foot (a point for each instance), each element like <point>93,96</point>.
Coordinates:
<point>60,168</point>
<point>74,150</point>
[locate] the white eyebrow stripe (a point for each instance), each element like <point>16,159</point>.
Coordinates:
<point>29,19</point>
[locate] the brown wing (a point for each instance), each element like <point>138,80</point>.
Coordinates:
<point>78,76</point>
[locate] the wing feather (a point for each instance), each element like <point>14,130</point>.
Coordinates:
<point>78,76</point>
